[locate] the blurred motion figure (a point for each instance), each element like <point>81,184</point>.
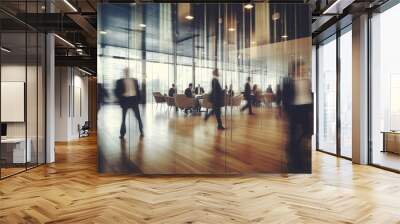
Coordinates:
<point>216,97</point>
<point>248,97</point>
<point>298,104</point>
<point>128,94</point>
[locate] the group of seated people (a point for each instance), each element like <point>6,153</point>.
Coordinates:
<point>198,93</point>
<point>257,94</point>
<point>189,91</point>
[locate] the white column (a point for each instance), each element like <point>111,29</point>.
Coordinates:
<point>360,90</point>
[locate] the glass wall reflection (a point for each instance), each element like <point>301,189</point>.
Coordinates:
<point>204,88</point>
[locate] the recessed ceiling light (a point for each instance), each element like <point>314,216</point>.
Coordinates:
<point>284,36</point>
<point>231,29</point>
<point>84,71</point>
<point>64,40</point>
<point>142,25</point>
<point>79,50</point>
<point>189,17</point>
<point>248,6</point>
<point>43,7</point>
<point>102,32</point>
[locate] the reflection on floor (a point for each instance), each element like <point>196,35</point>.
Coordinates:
<point>10,171</point>
<point>386,159</point>
<point>175,143</point>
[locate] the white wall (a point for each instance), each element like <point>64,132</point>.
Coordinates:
<point>71,102</point>
<point>34,125</point>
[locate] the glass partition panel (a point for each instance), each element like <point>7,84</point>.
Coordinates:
<point>22,87</point>
<point>15,149</point>
<point>185,81</point>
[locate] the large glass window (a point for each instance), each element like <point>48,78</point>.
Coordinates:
<point>327,95</point>
<point>346,93</point>
<point>385,89</point>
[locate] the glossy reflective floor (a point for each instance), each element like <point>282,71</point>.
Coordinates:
<point>387,159</point>
<point>71,191</point>
<point>175,143</point>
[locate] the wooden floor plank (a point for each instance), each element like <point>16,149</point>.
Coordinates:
<point>71,191</point>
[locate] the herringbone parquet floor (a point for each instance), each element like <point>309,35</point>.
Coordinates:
<point>71,191</point>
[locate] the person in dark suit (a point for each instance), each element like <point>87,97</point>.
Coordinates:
<point>216,97</point>
<point>172,91</point>
<point>297,102</point>
<point>128,94</point>
<point>269,89</point>
<point>199,90</point>
<point>189,91</point>
<point>278,99</point>
<point>248,97</point>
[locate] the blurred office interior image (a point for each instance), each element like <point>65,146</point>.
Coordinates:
<point>204,88</point>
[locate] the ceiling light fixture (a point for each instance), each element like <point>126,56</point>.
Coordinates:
<point>276,16</point>
<point>284,36</point>
<point>64,40</point>
<point>333,6</point>
<point>102,32</point>
<point>70,5</point>
<point>189,17</point>
<point>248,6</point>
<point>5,50</point>
<point>231,29</point>
<point>43,7</point>
<point>142,25</point>
<point>86,72</point>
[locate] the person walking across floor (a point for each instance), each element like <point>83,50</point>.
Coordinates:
<point>248,97</point>
<point>128,94</point>
<point>216,97</point>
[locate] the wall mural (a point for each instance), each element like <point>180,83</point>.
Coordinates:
<point>204,88</point>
